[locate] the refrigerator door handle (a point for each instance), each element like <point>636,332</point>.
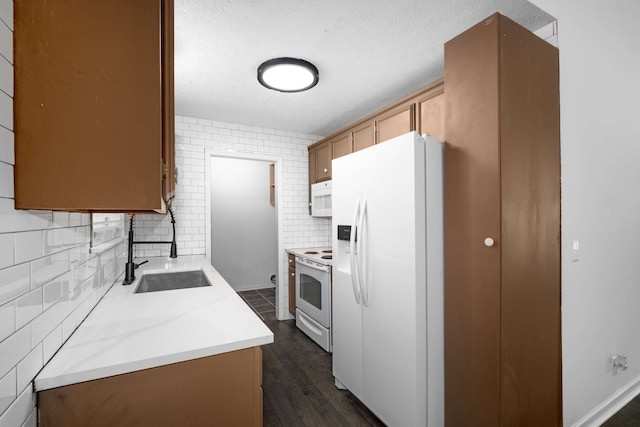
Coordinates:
<point>362,255</point>
<point>352,254</point>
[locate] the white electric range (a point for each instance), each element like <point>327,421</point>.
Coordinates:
<point>313,293</point>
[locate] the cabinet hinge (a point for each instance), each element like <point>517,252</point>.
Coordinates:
<point>164,170</point>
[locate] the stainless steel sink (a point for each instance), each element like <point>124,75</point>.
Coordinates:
<point>170,281</point>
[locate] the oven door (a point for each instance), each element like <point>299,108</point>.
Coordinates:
<point>313,290</point>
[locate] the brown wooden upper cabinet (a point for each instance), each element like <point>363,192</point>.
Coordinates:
<point>363,135</point>
<point>93,106</point>
<point>422,110</point>
<point>323,161</point>
<point>395,122</point>
<point>430,113</point>
<point>342,145</point>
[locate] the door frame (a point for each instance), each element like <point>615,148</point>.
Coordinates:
<point>281,305</point>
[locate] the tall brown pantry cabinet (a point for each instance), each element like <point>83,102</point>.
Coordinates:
<point>502,229</point>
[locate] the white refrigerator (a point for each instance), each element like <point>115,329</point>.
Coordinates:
<point>387,298</point>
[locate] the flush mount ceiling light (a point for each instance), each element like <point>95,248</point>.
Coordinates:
<point>288,74</point>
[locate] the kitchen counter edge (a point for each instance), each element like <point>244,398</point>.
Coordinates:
<point>83,358</point>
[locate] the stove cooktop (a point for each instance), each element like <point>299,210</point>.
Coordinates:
<point>322,255</point>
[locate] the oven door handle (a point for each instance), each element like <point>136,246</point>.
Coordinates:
<point>301,261</point>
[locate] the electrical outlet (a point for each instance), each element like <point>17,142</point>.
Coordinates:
<point>575,251</point>
<point>619,362</point>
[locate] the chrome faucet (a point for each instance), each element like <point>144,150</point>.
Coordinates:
<point>130,266</point>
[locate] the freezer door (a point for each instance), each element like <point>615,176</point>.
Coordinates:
<point>347,311</point>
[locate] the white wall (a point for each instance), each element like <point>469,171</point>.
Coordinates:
<point>41,300</point>
<point>194,136</point>
<point>600,148</point>
<point>244,240</point>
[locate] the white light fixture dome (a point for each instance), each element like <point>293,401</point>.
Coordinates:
<point>288,74</point>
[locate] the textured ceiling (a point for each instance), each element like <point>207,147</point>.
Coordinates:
<point>368,52</point>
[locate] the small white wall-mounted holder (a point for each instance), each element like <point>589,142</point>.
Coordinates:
<point>619,362</point>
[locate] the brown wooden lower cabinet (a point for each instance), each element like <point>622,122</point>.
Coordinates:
<point>292,284</point>
<point>221,390</point>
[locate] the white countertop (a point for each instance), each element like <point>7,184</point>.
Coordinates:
<point>128,332</point>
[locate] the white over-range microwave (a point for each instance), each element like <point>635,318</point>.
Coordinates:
<point>321,199</point>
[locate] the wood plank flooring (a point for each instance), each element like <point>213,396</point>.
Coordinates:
<point>629,416</point>
<point>297,383</point>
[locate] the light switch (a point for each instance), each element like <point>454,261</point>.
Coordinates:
<point>575,251</point>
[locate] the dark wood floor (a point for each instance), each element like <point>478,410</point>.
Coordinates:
<point>298,386</point>
<point>629,416</point>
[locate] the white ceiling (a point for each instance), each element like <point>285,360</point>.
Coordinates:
<point>368,53</point>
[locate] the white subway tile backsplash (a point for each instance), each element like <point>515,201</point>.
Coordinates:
<point>60,219</point>
<point>75,218</point>
<point>7,148</point>
<point>6,43</point>
<point>7,320</point>
<point>52,343</point>
<point>6,180</point>
<point>28,246</point>
<point>7,390</point>
<point>6,77</point>
<point>13,349</point>
<point>53,290</point>
<point>29,367</point>
<point>41,271</point>
<point>46,268</point>
<point>42,326</point>
<point>28,307</point>
<point>6,108</point>
<point>6,12</point>
<point>7,253</point>
<point>68,326</point>
<point>15,282</point>
<point>32,420</point>
<point>20,410</point>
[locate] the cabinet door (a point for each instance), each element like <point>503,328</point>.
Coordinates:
<point>91,90</point>
<point>394,123</point>
<point>220,390</point>
<point>292,284</point>
<point>342,145</point>
<point>472,206</point>
<point>272,184</point>
<point>363,136</point>
<point>431,115</point>
<point>323,162</point>
<point>169,172</point>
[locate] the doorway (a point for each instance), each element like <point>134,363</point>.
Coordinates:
<point>243,220</point>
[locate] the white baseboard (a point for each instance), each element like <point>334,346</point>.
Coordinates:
<point>610,406</point>
<point>253,287</point>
